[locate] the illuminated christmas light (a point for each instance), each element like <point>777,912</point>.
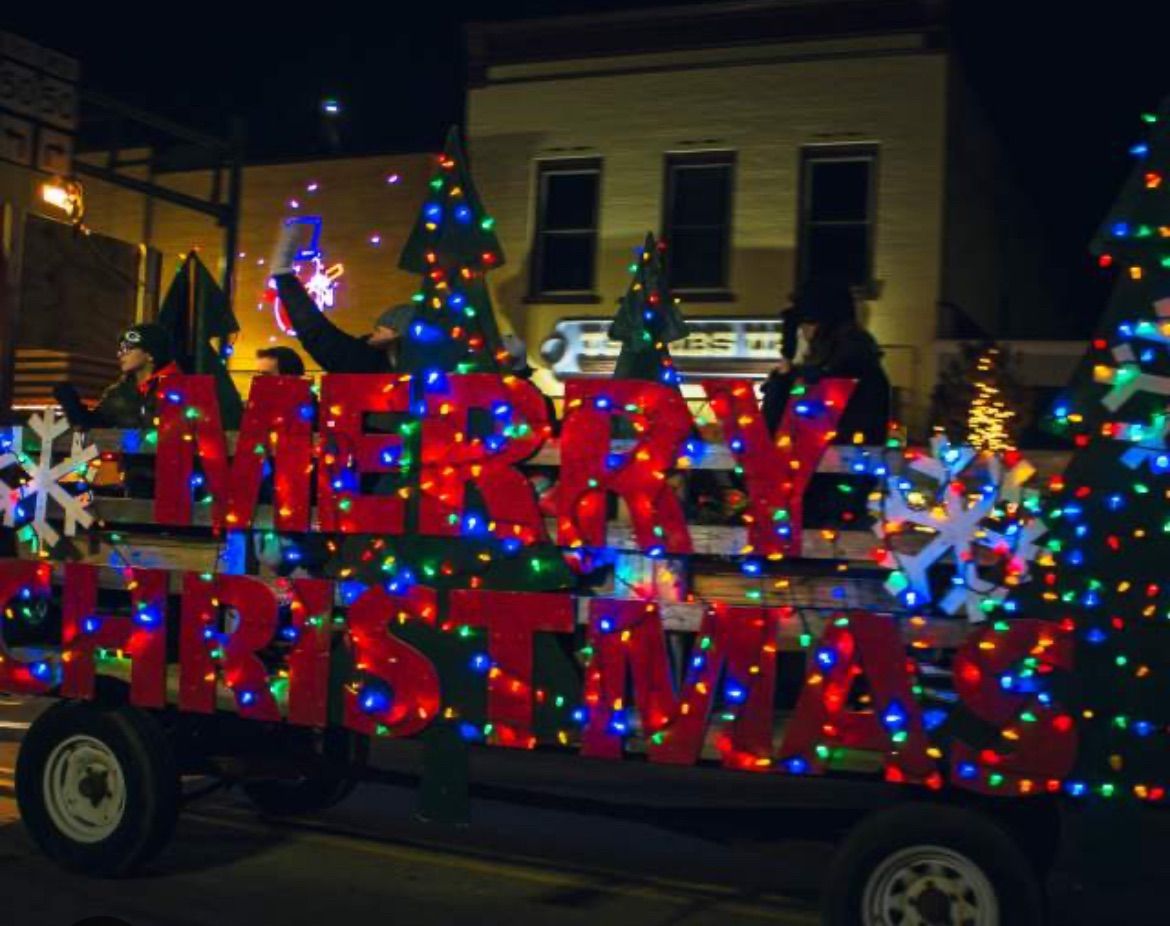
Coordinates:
<point>320,282</point>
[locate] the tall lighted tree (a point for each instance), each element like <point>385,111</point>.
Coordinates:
<point>469,517</point>
<point>1103,577</point>
<point>452,247</point>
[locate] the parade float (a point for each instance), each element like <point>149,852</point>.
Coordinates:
<point>941,643</point>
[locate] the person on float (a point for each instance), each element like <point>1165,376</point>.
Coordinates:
<point>145,356</point>
<point>279,361</point>
<point>830,342</point>
<point>336,351</point>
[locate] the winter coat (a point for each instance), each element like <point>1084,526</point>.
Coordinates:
<point>332,348</point>
<point>848,352</point>
<point>125,403</point>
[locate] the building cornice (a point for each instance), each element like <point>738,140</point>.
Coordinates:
<point>703,26</point>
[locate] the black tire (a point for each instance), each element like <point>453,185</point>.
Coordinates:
<point>329,777</point>
<point>874,845</point>
<point>149,784</point>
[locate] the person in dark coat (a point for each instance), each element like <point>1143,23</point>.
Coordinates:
<point>380,351</point>
<point>824,316</point>
<point>145,356</point>
<point>829,342</point>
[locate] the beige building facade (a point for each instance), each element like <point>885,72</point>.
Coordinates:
<point>766,142</point>
<point>807,139</point>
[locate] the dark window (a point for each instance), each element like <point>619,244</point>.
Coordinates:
<point>565,250</point>
<point>697,220</point>
<point>837,213</point>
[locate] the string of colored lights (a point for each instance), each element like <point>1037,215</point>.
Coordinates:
<point>1085,672</point>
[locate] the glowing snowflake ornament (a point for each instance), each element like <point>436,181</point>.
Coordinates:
<point>28,500</point>
<point>321,285</point>
<point>979,520</point>
<point>1145,340</point>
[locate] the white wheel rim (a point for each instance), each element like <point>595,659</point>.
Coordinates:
<point>929,886</point>
<point>84,788</point>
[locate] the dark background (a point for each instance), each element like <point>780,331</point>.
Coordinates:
<point>1064,85</point>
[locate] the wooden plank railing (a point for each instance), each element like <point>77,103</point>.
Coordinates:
<point>144,543</point>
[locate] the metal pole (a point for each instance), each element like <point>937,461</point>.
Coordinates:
<point>197,332</point>
<point>9,304</point>
<point>147,189</point>
<point>231,220</point>
<point>148,207</point>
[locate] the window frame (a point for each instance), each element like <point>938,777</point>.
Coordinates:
<point>698,159</point>
<point>545,168</point>
<point>812,154</point>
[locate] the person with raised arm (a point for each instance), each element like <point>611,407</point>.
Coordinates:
<point>337,351</point>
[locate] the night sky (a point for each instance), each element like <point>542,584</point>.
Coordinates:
<point>1064,90</point>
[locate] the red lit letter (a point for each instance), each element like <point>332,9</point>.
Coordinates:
<point>405,696</point>
<point>512,619</point>
<point>143,636</point>
<point>452,456</point>
<point>777,472</point>
<point>308,661</point>
<point>737,645</point>
<point>189,425</point>
<point>204,644</point>
<point>347,452</point>
<point>277,422</point>
<point>625,636</point>
<point>588,469</point>
<point>863,645</point>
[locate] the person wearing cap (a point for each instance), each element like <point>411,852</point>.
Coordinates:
<point>380,351</point>
<point>830,342</point>
<point>279,361</point>
<point>145,356</point>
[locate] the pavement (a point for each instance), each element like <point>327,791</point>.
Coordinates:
<point>228,868</point>
<point>539,848</point>
<point>371,858</point>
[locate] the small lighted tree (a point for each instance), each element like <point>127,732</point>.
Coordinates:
<point>648,320</point>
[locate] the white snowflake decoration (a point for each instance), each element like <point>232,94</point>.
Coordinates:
<point>969,490</point>
<point>1128,379</point>
<point>44,480</point>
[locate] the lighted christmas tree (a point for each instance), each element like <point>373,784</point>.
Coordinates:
<point>978,400</point>
<point>453,246</point>
<point>648,320</point>
<point>989,419</point>
<point>453,538</point>
<point>1104,576</point>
